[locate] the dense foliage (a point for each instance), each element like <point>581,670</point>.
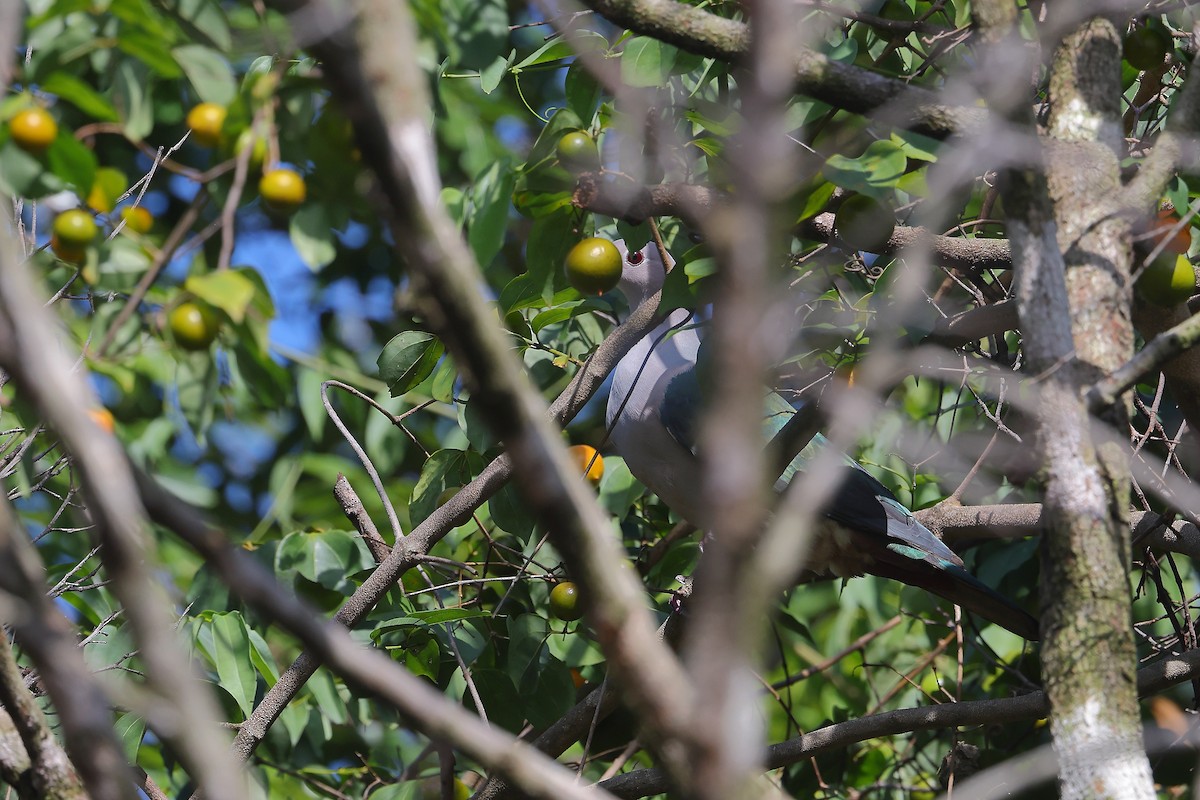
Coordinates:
<point>254,338</point>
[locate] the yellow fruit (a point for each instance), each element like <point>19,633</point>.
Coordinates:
<point>864,223</point>
<point>1146,47</point>
<point>1168,281</point>
<point>577,152</point>
<point>194,325</point>
<point>137,219</point>
<point>564,602</point>
<point>33,129</point>
<point>590,463</point>
<point>103,418</point>
<point>75,227</point>
<point>108,185</point>
<point>206,121</point>
<point>283,190</point>
<point>593,266</point>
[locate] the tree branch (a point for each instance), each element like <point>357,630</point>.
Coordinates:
<point>1157,352</point>
<point>634,203</point>
<point>1150,680</point>
<point>841,85</point>
<point>50,773</point>
<point>49,640</point>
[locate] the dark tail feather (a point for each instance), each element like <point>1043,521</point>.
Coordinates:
<point>961,588</point>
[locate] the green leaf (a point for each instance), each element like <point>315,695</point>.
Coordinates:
<point>490,201</point>
<point>329,700</point>
<point>206,17</point>
<point>845,51</point>
<point>130,729</point>
<point>424,658</point>
<point>500,699</point>
<point>267,381</point>
<point>122,264</point>
<point>229,290</point>
<point>308,390</point>
<point>437,616</point>
<point>150,50</point>
<point>548,693</point>
<point>511,513</point>
<point>23,175</point>
<point>565,311</point>
<point>549,241</point>
<point>442,386</point>
<point>311,232</point>
<point>261,656</point>
<point>1177,193</point>
<point>618,488</point>
<point>558,48</point>
<point>582,90</point>
<point>473,423</point>
<point>813,199</point>
<point>490,76</point>
<point>72,161</point>
<point>555,49</point>
<point>80,95</point>
<point>208,72</point>
<point>647,62</point>
<point>527,651</point>
<point>916,146</point>
<point>231,656</point>
<point>132,93</point>
<point>196,388</point>
<point>874,173</point>
<point>323,557</point>
<point>444,469</point>
<point>408,359</point>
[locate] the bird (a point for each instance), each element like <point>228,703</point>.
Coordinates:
<point>654,405</point>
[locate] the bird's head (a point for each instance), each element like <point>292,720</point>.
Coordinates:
<point>642,272</point>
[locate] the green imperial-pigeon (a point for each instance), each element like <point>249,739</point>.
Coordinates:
<point>653,409</point>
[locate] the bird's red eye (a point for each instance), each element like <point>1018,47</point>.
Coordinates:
<point>636,257</point>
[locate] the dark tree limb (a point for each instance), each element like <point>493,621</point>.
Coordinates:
<point>49,773</point>
<point>617,196</point>
<point>841,85</point>
<point>1155,678</point>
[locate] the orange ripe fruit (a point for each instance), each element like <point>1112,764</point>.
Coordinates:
<point>591,463</point>
<point>103,418</point>
<point>1180,241</point>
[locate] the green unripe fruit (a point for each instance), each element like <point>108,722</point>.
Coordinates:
<point>594,266</point>
<point>577,152</point>
<point>1168,281</point>
<point>564,602</point>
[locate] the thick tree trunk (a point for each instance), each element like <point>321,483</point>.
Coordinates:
<point>1071,253</point>
<point>1088,655</point>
